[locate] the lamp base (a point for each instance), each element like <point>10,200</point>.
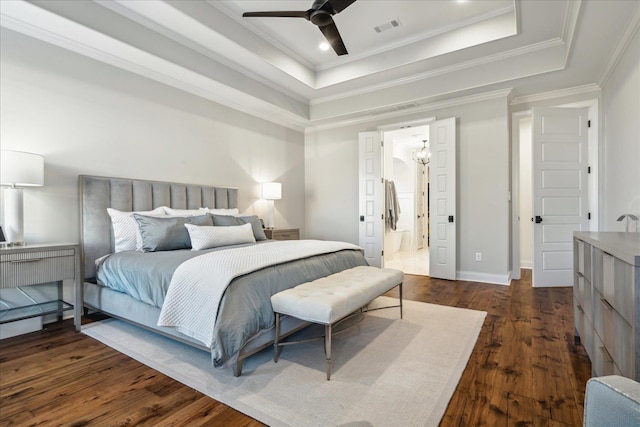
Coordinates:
<point>269,214</point>
<point>14,216</point>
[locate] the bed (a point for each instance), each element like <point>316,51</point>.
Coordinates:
<point>136,286</point>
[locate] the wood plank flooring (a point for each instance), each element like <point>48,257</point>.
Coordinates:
<point>524,370</point>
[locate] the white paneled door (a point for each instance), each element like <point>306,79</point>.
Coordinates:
<point>371,197</point>
<point>560,191</point>
<point>442,199</point>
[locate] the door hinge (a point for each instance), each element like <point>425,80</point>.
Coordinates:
<point>588,169</point>
<point>382,143</point>
<point>382,253</point>
<point>382,217</point>
<point>589,215</point>
<point>381,180</point>
<point>588,123</point>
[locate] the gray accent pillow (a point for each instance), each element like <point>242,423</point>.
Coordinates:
<point>167,233</point>
<point>226,220</point>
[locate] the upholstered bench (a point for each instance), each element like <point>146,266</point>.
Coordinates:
<point>329,300</point>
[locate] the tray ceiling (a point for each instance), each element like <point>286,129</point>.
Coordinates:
<point>273,68</point>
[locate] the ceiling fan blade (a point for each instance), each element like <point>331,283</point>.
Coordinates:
<point>333,37</point>
<point>280,14</point>
<point>340,5</point>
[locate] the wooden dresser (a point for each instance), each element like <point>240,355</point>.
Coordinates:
<point>606,295</point>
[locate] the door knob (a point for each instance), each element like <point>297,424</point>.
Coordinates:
<point>538,219</point>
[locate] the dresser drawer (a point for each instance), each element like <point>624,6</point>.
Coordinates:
<point>624,290</point>
<point>291,235</point>
<point>624,347</point>
<point>28,268</point>
<point>584,327</point>
<point>601,360</point>
<point>283,234</point>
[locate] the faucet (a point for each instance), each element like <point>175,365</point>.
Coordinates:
<point>629,216</point>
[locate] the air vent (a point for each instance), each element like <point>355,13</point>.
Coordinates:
<point>387,26</point>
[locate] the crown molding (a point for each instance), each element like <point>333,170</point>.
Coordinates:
<point>621,47</point>
<point>555,94</point>
<point>511,54</point>
<point>376,114</point>
<point>569,26</point>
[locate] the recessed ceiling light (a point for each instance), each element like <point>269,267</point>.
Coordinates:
<point>324,46</point>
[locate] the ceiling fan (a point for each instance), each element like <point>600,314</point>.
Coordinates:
<point>320,14</point>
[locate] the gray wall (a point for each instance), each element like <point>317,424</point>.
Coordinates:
<point>483,180</point>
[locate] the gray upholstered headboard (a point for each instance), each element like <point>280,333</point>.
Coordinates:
<point>99,193</point>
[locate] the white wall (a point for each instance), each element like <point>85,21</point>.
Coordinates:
<point>88,118</point>
<point>621,148</point>
<point>483,177</point>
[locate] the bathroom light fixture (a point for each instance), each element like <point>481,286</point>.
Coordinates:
<point>18,169</point>
<point>423,155</point>
<point>271,191</point>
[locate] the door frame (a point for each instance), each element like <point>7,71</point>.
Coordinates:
<point>594,178</point>
<point>397,126</point>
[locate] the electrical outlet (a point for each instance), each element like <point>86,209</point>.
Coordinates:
<point>478,256</point>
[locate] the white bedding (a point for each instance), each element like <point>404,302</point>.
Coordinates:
<point>197,286</point>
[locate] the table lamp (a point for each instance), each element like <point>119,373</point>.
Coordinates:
<point>18,169</point>
<point>271,191</point>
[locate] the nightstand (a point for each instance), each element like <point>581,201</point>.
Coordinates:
<point>282,233</point>
<point>37,264</point>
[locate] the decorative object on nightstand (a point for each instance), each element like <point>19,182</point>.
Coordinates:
<point>271,191</point>
<point>37,264</point>
<point>282,233</point>
<point>629,217</point>
<point>18,169</point>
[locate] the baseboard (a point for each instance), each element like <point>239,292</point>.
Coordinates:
<point>472,276</point>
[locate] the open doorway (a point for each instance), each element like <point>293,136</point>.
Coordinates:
<point>406,172</point>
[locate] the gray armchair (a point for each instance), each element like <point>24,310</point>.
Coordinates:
<point>612,401</point>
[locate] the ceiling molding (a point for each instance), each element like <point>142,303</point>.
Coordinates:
<point>33,21</point>
<point>510,54</point>
<point>420,37</point>
<point>570,25</point>
<point>621,47</point>
<point>220,5</point>
<point>421,108</point>
<point>128,10</point>
<point>555,94</point>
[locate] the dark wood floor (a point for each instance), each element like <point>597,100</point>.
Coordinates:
<point>524,370</point>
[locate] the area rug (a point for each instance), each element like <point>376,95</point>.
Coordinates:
<point>386,371</point>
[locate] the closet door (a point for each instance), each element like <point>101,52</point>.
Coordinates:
<point>442,199</point>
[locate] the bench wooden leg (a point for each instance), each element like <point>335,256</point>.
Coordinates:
<point>327,349</point>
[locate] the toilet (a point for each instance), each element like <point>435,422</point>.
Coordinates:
<point>396,238</point>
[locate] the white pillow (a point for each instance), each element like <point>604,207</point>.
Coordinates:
<point>182,212</point>
<point>126,234</point>
<point>205,236</point>
<point>229,212</point>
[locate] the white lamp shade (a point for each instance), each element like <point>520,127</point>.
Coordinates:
<point>21,169</point>
<point>271,190</point>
